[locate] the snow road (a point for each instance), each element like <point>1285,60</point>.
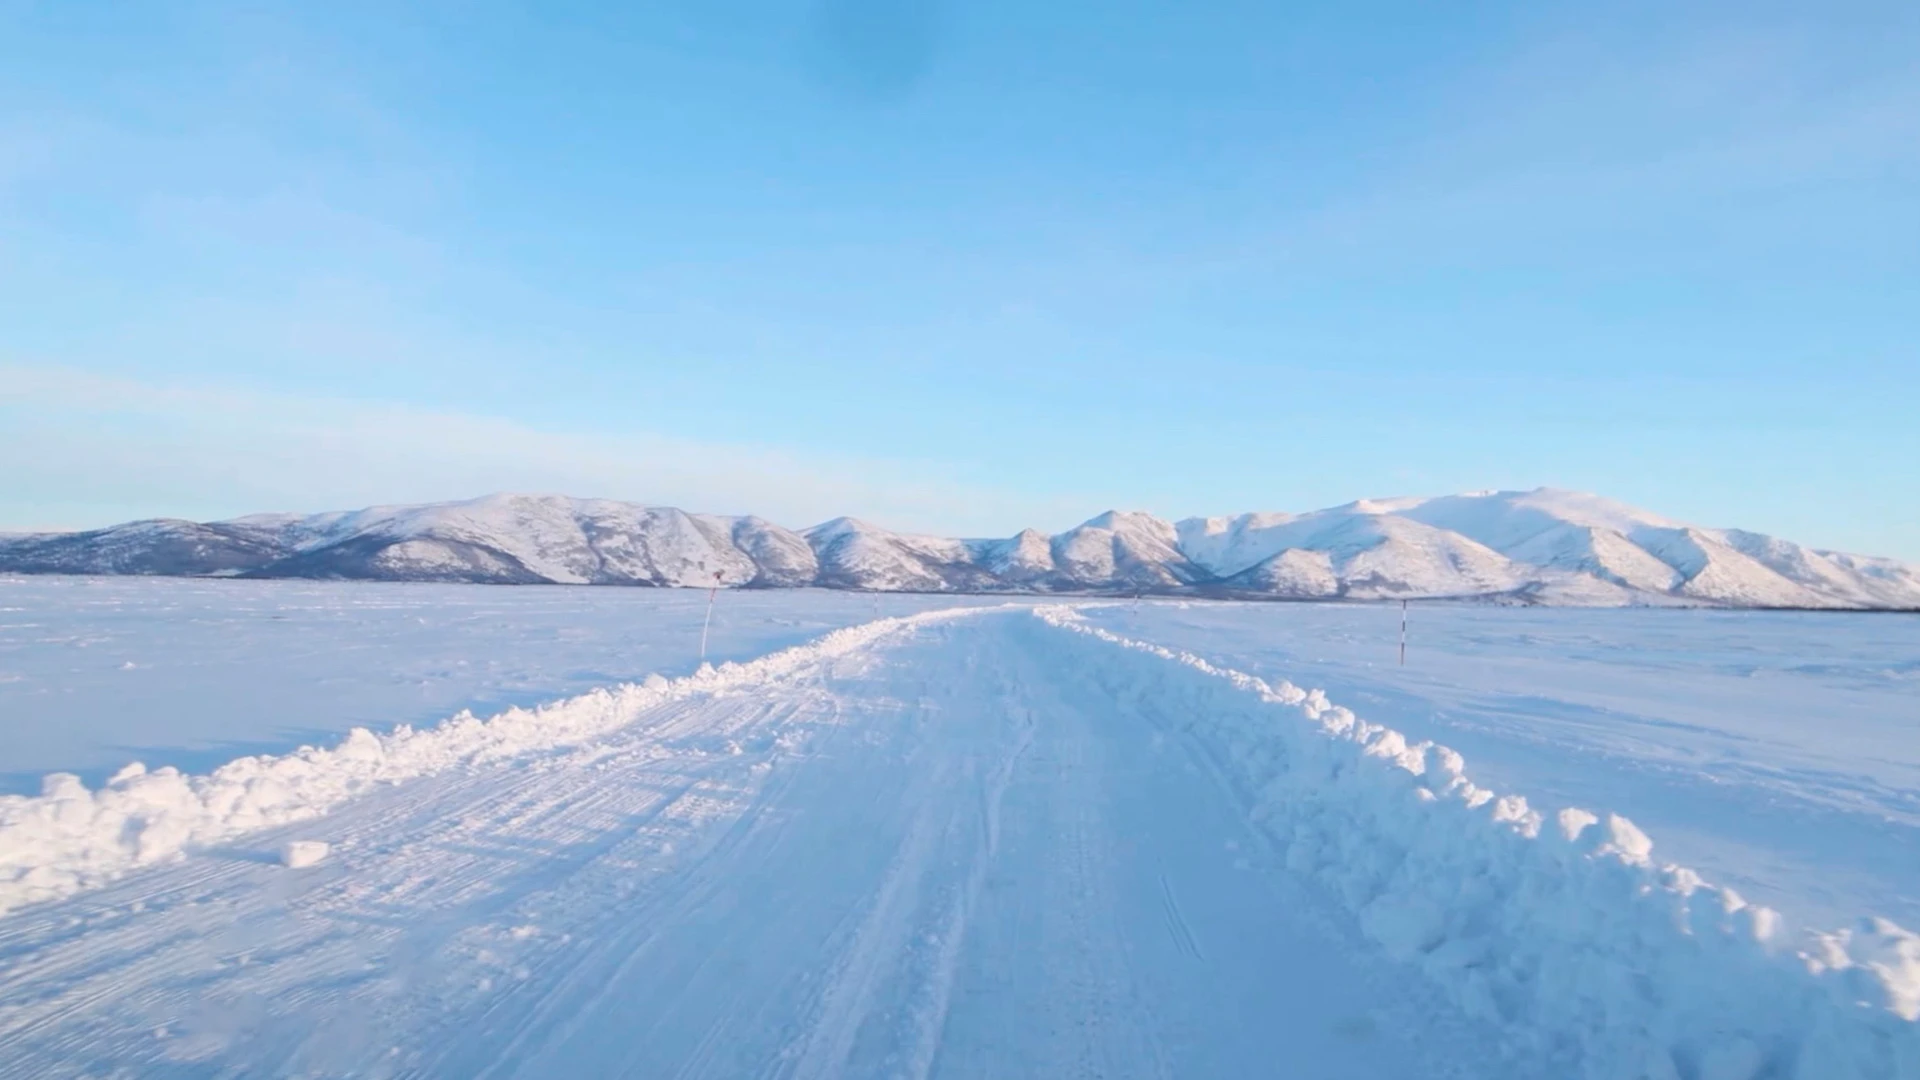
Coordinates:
<point>943,856</point>
<point>961,844</point>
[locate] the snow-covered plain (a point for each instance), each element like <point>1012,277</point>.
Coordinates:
<point>99,672</point>
<point>1015,841</point>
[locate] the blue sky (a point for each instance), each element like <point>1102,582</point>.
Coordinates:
<point>963,268</point>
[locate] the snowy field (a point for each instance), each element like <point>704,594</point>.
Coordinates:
<point>97,672</point>
<point>1096,840</point>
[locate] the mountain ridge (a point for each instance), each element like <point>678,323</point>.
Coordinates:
<point>1544,546</point>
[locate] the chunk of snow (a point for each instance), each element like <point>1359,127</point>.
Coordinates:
<point>299,854</point>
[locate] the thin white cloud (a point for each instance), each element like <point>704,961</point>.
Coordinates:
<point>88,449</point>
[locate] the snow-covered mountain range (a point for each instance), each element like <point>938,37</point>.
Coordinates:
<point>1544,546</point>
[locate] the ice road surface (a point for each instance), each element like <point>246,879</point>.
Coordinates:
<point>962,843</point>
<point>98,672</point>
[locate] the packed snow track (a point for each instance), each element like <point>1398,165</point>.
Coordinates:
<point>962,844</point>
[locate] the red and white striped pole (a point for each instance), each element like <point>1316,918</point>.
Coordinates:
<point>708,621</point>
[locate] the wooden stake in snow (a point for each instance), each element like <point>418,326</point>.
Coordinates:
<point>708,621</point>
<point>1403,633</point>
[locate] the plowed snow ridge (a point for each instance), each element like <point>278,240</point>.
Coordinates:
<point>1561,929</point>
<point>70,838</point>
<point>1558,930</point>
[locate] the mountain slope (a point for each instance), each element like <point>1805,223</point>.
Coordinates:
<point>1648,553</point>
<point>159,546</point>
<point>1123,550</point>
<point>1543,546</point>
<point>516,539</point>
<point>1369,553</point>
<point>856,555</point>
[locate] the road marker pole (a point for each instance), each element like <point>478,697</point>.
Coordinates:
<point>708,621</point>
<point>1403,633</point>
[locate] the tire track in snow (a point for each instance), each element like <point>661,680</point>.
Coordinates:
<point>877,946</point>
<point>1177,926</point>
<point>419,867</point>
<point>933,1018</point>
<point>913,904</point>
<point>613,946</point>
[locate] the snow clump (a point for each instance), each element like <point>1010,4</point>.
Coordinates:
<point>300,854</point>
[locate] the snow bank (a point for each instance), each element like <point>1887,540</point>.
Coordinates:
<point>70,838</point>
<point>1560,929</point>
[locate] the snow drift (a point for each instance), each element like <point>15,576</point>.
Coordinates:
<point>69,838</point>
<point>1560,928</point>
<point>1545,546</point>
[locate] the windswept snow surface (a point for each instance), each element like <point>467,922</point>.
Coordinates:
<point>993,842</point>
